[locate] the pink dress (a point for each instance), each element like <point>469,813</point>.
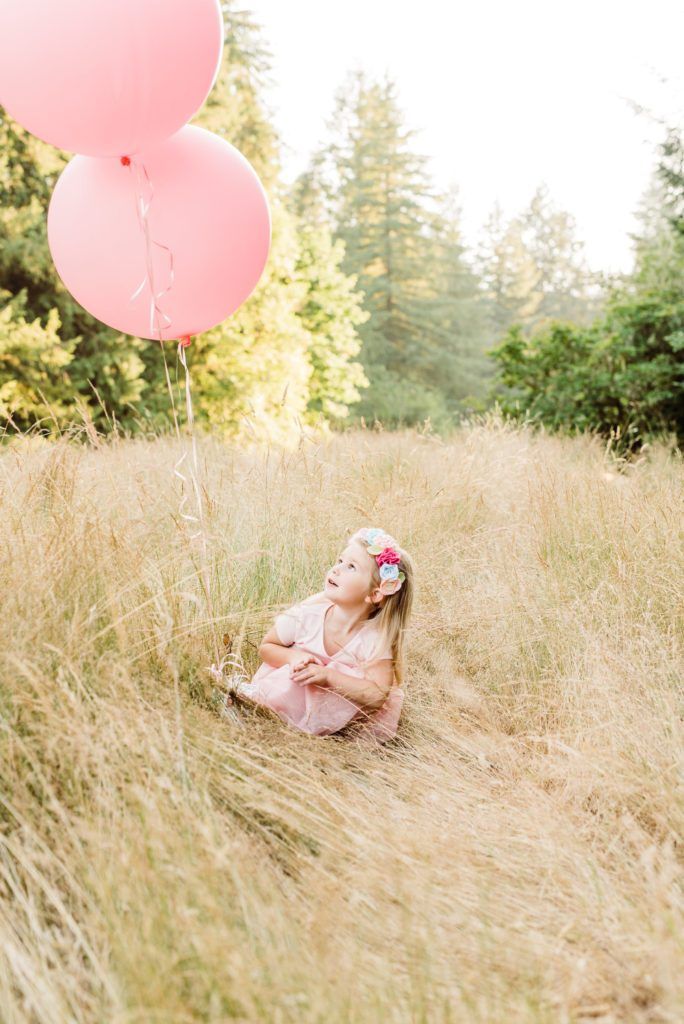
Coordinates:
<point>317,709</point>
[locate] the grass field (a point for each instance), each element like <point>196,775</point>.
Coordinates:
<point>515,855</point>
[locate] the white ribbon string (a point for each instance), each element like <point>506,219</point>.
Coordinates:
<point>144,195</point>
<point>142,180</point>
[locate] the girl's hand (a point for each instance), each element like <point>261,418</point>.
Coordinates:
<point>300,659</point>
<point>309,670</point>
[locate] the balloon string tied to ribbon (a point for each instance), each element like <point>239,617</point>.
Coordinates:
<point>144,194</point>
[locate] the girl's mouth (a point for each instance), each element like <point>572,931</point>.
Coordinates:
<point>332,582</point>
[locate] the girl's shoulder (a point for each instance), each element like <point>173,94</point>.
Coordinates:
<point>301,620</point>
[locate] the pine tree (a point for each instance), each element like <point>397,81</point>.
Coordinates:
<point>566,285</point>
<point>508,274</point>
<point>458,326</point>
<point>382,206</point>
<point>332,308</point>
<point>659,244</point>
<point>534,270</point>
<point>671,175</point>
<point>331,313</point>
<point>309,197</point>
<point>381,220</point>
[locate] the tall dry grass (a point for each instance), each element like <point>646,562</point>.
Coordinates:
<point>515,855</point>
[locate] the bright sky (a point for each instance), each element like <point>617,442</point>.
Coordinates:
<point>503,95</point>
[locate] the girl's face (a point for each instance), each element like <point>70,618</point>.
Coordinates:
<point>349,580</point>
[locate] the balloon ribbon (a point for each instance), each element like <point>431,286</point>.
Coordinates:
<point>144,194</point>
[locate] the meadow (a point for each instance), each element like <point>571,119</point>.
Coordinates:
<point>514,855</point>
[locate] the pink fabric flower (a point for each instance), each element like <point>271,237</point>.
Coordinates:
<point>388,557</point>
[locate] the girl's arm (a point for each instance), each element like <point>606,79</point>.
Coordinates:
<point>369,692</point>
<point>276,654</point>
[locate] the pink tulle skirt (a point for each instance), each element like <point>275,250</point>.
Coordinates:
<point>318,710</point>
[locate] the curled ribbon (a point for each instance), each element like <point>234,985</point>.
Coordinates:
<point>182,345</point>
<point>142,208</point>
<point>144,195</point>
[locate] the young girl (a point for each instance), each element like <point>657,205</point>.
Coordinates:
<point>337,656</point>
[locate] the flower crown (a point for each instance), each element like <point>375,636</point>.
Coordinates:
<point>383,547</point>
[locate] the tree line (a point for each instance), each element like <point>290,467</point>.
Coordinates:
<point>371,307</point>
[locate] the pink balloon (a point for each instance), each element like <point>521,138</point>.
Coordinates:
<point>107,77</point>
<point>208,212</point>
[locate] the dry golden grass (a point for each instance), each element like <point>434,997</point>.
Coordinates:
<point>515,855</point>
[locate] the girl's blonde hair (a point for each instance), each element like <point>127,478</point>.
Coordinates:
<point>393,614</point>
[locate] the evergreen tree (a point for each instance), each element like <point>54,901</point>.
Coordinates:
<point>508,274</point>
<point>659,244</point>
<point>534,270</point>
<point>457,329</point>
<point>332,308</point>
<point>568,288</point>
<point>671,175</point>
<point>382,221</point>
<point>382,207</point>
<point>309,195</point>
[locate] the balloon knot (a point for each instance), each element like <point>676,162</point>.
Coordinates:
<point>186,340</point>
<point>125,160</point>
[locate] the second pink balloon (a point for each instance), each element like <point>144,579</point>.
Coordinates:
<point>207,207</point>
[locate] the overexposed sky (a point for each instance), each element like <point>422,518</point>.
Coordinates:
<point>504,95</point>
